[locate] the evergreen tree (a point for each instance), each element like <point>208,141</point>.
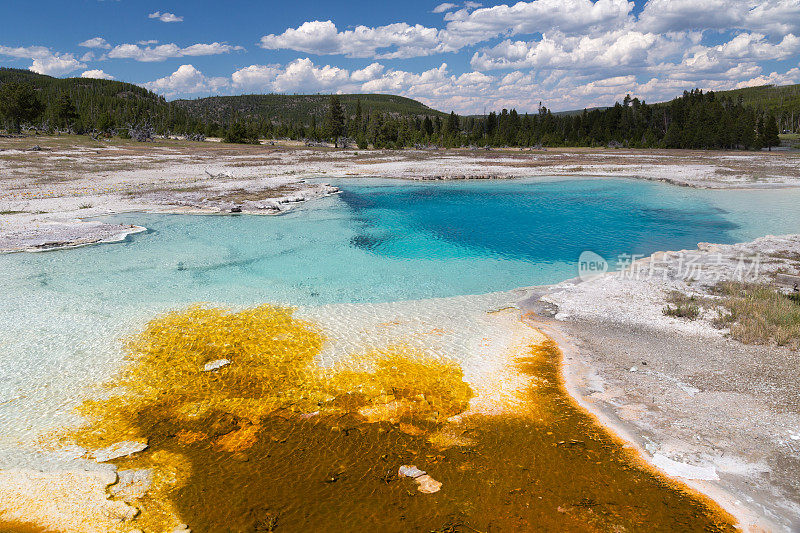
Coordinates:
<point>64,113</point>
<point>334,120</point>
<point>238,133</point>
<point>19,104</point>
<point>770,133</point>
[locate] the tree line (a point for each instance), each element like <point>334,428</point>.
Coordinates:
<point>696,120</point>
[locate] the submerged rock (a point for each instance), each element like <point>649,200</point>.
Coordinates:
<point>216,364</point>
<point>410,471</point>
<point>426,484</point>
<point>119,449</point>
<point>132,484</point>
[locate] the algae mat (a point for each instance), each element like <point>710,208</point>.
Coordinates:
<point>267,440</point>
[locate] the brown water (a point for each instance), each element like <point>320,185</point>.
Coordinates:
<point>548,467</point>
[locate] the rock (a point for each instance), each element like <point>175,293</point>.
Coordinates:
<point>181,528</point>
<point>132,484</point>
<point>236,209</point>
<point>119,449</point>
<point>410,471</point>
<point>426,484</point>
<point>216,365</point>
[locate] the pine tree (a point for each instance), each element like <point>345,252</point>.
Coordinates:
<point>19,104</point>
<point>334,120</point>
<point>770,133</point>
<point>64,113</point>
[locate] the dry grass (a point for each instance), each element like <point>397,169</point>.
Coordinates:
<point>759,314</point>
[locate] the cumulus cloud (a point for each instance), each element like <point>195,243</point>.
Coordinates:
<point>165,17</point>
<point>163,52</point>
<point>443,7</point>
<point>45,61</point>
<point>95,42</point>
<point>464,27</point>
<point>187,80</point>
<point>790,77</point>
<point>565,53</point>
<point>390,41</point>
<point>567,16</point>
<point>97,74</point>
<point>610,50</point>
<point>769,16</point>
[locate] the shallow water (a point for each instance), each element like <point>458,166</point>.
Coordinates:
<point>388,240</point>
<point>380,240</point>
<point>311,452</point>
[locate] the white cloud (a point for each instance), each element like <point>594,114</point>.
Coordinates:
<point>44,60</point>
<point>95,42</point>
<point>322,37</point>
<point>790,77</point>
<point>255,77</point>
<point>370,72</point>
<point>187,80</point>
<point>612,50</point>
<point>771,16</point>
<point>165,17</point>
<point>163,52</point>
<point>443,7</point>
<point>565,53</point>
<point>56,65</point>
<point>538,16</point>
<point>464,27</point>
<point>97,74</point>
<point>302,74</point>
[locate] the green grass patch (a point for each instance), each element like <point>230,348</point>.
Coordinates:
<point>680,305</point>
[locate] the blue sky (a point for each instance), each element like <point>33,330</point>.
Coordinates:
<point>454,56</point>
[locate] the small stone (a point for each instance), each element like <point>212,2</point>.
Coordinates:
<point>634,369</point>
<point>428,485</point>
<point>236,209</point>
<point>119,449</point>
<point>410,471</point>
<point>181,528</point>
<point>216,365</point>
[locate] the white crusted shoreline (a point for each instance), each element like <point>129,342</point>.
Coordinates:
<point>44,194</point>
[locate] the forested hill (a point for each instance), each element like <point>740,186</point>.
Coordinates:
<point>781,100</point>
<point>746,118</point>
<point>101,104</point>
<point>298,108</point>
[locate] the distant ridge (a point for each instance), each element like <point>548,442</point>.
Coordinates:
<point>298,107</point>
<point>776,99</point>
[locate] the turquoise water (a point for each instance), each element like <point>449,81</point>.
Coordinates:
<point>65,311</point>
<point>383,240</point>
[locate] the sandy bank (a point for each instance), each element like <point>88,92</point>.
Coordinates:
<point>719,414</point>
